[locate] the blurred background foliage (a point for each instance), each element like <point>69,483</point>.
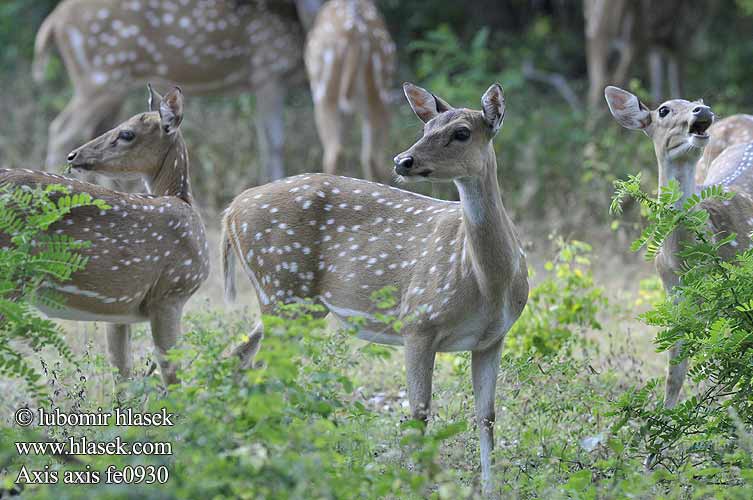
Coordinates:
<point>558,151</point>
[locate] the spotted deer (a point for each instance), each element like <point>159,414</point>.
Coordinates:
<point>110,47</point>
<point>458,267</point>
<point>148,253</point>
<point>735,129</point>
<point>679,130</point>
<point>350,59</point>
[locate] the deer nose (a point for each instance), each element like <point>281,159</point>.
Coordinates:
<point>72,155</point>
<point>703,112</point>
<point>404,162</point>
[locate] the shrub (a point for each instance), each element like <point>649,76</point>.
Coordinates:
<point>562,307</point>
<point>710,313</point>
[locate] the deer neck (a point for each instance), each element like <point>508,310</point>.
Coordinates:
<point>682,171</point>
<point>171,178</point>
<point>490,246</point>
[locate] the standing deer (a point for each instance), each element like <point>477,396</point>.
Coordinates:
<point>350,59</point>
<point>208,46</point>
<point>149,252</point>
<point>457,266</point>
<point>735,129</point>
<point>679,130</point>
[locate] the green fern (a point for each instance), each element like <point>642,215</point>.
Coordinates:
<point>33,259</point>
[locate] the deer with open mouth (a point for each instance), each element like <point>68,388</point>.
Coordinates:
<point>679,130</point>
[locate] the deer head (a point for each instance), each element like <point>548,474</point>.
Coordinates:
<point>137,147</point>
<point>678,128</point>
<point>456,143</point>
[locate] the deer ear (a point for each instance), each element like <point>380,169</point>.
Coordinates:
<point>425,104</point>
<point>627,109</point>
<point>171,110</point>
<point>154,98</point>
<point>493,106</point>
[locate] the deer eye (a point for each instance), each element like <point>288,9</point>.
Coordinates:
<point>663,111</point>
<point>462,134</point>
<point>126,135</point>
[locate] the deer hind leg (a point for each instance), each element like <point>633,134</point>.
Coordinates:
<point>375,127</point>
<point>165,322</point>
<point>329,124</point>
<point>249,349</point>
<point>270,123</point>
<point>484,367</point>
<point>675,376</point>
<point>119,349</point>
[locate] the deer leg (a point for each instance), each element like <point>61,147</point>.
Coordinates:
<point>119,349</point>
<point>270,105</point>
<point>419,365</point>
<point>374,136</point>
<point>675,376</point>
<point>249,349</point>
<point>165,323</point>
<point>329,125</point>
<point>484,368</point>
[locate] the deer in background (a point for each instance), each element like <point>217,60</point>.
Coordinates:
<point>735,129</point>
<point>207,46</point>
<point>350,59</point>
<point>458,266</point>
<point>148,253</point>
<point>679,130</point>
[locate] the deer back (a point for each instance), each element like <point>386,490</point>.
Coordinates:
<point>735,129</point>
<point>206,45</point>
<point>145,249</point>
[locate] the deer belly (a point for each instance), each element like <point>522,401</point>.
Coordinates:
<point>87,305</point>
<point>371,332</point>
<point>72,314</point>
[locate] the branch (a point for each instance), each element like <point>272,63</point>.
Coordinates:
<point>556,80</point>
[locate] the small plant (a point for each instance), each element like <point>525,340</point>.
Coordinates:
<point>34,258</point>
<point>562,307</point>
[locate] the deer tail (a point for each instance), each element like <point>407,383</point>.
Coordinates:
<point>228,259</point>
<point>42,48</point>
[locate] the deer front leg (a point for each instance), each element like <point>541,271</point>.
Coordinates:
<point>484,368</point>
<point>419,366</point>
<point>119,349</point>
<point>270,101</point>
<point>165,323</point>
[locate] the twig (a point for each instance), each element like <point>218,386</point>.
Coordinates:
<point>556,80</point>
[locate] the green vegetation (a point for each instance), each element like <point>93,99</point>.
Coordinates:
<point>32,259</point>
<point>323,415</point>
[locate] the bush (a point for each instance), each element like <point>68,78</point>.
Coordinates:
<point>284,430</point>
<point>710,313</point>
<point>562,307</point>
